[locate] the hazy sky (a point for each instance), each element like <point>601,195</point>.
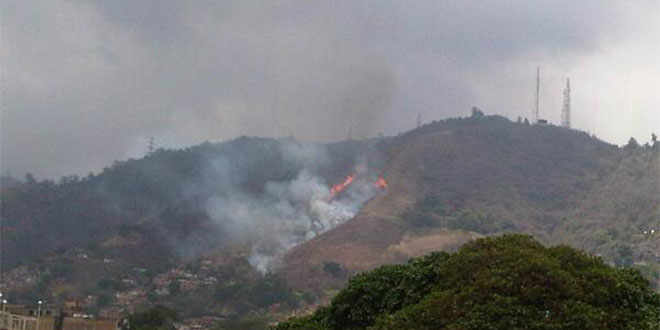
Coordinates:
<point>87,82</point>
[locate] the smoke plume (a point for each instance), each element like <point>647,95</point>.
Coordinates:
<point>288,212</point>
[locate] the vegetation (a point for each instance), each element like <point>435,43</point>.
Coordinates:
<point>148,213</point>
<point>248,323</point>
<point>80,236</point>
<point>432,212</point>
<point>505,282</point>
<point>333,268</point>
<point>149,197</point>
<point>156,318</point>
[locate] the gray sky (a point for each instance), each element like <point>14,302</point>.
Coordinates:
<point>87,82</point>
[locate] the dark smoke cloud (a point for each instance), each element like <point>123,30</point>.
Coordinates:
<point>87,82</point>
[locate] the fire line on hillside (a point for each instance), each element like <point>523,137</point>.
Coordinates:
<point>336,189</point>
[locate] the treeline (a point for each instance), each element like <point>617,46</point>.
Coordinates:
<point>160,191</point>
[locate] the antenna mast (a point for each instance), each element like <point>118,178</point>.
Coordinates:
<point>151,147</point>
<point>538,88</point>
<point>566,108</point>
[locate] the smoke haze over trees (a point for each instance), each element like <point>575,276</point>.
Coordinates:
<point>272,194</point>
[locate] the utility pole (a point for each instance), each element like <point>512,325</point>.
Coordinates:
<point>566,107</point>
<point>419,120</point>
<point>38,312</point>
<point>2,252</point>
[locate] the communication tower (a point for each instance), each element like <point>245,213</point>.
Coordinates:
<point>537,99</point>
<point>151,147</point>
<point>566,107</point>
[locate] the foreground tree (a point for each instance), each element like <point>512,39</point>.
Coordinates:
<point>505,282</point>
<point>156,318</point>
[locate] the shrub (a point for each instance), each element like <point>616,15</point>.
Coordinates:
<point>333,268</point>
<point>156,318</point>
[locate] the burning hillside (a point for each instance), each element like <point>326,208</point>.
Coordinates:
<point>289,212</point>
<point>337,189</point>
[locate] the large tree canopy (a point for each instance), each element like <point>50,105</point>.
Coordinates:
<point>505,282</point>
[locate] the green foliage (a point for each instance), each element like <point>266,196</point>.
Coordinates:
<point>307,297</point>
<point>477,113</point>
<point>631,145</point>
<point>651,272</point>
<point>226,290</point>
<point>156,318</point>
<point>174,287</point>
<point>624,256</point>
<point>61,269</point>
<point>333,268</point>
<point>383,290</point>
<point>108,284</point>
<point>269,290</point>
<point>104,300</point>
<point>418,219</point>
<point>425,213</point>
<point>505,282</point>
<point>432,204</point>
<point>259,293</point>
<point>477,222</point>
<point>249,323</point>
<point>432,212</point>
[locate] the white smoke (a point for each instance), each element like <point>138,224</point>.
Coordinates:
<point>288,214</point>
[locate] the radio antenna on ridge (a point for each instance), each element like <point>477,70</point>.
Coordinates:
<point>566,106</point>
<point>537,99</point>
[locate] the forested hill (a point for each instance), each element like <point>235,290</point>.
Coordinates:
<point>159,197</point>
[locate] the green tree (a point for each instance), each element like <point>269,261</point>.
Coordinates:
<point>477,113</point>
<point>156,318</point>
<point>333,268</point>
<point>505,282</point>
<point>104,300</point>
<point>632,144</point>
<point>174,287</point>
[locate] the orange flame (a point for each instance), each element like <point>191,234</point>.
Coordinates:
<point>381,183</point>
<point>341,186</point>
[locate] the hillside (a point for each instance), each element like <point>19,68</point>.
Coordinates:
<point>167,228</point>
<point>454,180</point>
<point>156,192</point>
<point>252,225</point>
